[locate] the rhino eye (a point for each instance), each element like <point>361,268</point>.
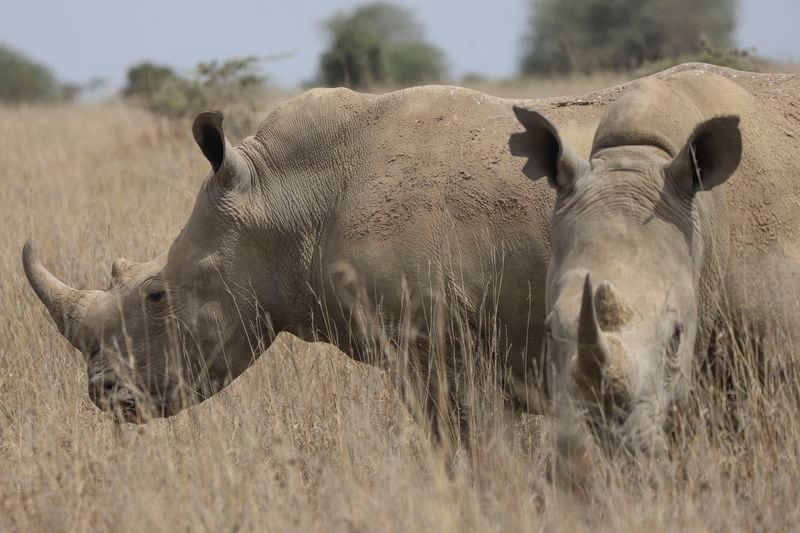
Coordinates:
<point>155,296</point>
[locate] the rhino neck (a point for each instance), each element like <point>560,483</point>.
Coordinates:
<point>711,254</point>
<point>306,153</point>
<point>303,169</point>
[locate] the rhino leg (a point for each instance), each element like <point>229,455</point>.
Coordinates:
<point>424,364</point>
<point>759,320</point>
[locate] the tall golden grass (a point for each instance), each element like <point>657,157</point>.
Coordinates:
<point>306,439</point>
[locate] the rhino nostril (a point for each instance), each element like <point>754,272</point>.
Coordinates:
<point>675,341</point>
<point>101,388</point>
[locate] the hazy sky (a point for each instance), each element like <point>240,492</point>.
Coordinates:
<point>82,39</point>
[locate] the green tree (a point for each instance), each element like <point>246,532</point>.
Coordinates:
<point>146,79</point>
<point>355,59</point>
<point>414,63</point>
<point>585,35</point>
<point>377,44</point>
<point>24,80</point>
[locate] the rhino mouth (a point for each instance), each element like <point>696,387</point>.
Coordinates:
<point>126,410</point>
<point>120,401</point>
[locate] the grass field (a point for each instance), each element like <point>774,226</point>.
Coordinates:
<point>306,439</point>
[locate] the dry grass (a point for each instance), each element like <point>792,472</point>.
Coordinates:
<point>306,439</point>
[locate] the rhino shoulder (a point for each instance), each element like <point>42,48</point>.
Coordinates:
<point>315,106</point>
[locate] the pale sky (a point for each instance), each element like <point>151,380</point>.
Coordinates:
<point>83,39</point>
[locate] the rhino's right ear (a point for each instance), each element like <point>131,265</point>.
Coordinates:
<point>547,154</point>
<point>710,156</point>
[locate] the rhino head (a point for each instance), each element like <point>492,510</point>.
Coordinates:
<point>172,331</point>
<point>631,233</point>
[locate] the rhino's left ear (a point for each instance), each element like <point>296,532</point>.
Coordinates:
<point>711,155</point>
<point>210,137</point>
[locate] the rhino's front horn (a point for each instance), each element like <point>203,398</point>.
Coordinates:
<point>593,354</point>
<point>66,305</point>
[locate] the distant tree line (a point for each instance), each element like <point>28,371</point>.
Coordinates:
<point>588,35</point>
<point>23,79</point>
<point>381,44</point>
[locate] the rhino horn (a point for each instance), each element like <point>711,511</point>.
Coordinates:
<point>120,266</point>
<point>66,305</point>
<point>593,354</point>
<point>612,312</point>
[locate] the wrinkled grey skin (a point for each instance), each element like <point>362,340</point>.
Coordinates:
<point>323,220</point>
<point>143,337</point>
<point>643,235</point>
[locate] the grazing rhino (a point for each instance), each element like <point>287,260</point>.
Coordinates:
<point>691,171</point>
<point>342,210</point>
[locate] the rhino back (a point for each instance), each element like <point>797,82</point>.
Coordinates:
<point>420,183</point>
<point>440,189</point>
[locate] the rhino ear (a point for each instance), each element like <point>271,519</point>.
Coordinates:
<point>210,137</point>
<point>711,155</point>
<point>226,162</point>
<point>547,154</point>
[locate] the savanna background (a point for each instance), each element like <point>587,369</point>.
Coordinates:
<point>101,164</point>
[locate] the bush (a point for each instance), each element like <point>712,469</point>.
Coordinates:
<point>146,79</point>
<point>24,80</point>
<point>379,44</point>
<point>415,63</point>
<point>234,86</point>
<point>586,35</point>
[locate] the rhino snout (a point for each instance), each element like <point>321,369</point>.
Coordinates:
<point>108,395</point>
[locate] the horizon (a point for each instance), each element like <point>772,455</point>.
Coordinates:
<point>104,40</point>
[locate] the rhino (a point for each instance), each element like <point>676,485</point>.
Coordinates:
<point>345,218</point>
<point>692,174</point>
